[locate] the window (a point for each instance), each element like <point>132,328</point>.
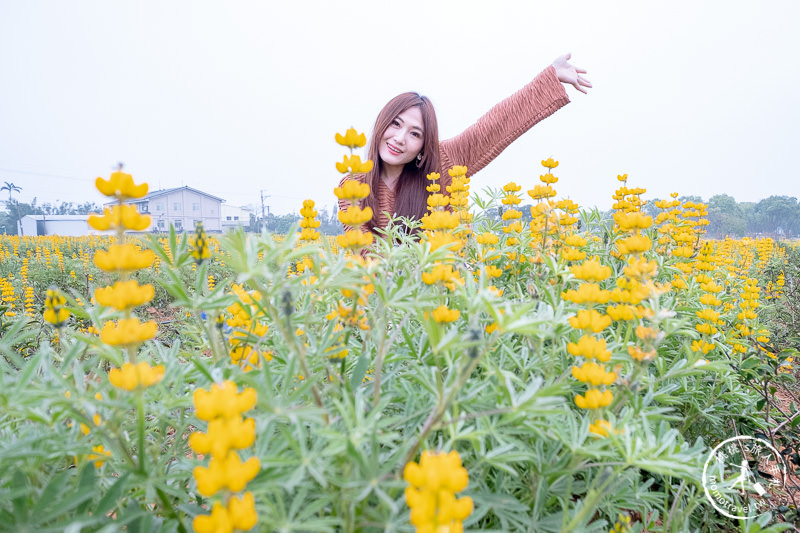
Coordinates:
<point>143,207</point>
<point>179,225</point>
<point>159,207</point>
<point>235,218</point>
<point>227,218</point>
<point>161,224</point>
<point>176,206</point>
<point>195,207</point>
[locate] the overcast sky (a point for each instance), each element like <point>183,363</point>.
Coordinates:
<point>238,97</point>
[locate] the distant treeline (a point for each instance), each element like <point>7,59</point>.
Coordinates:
<point>776,216</point>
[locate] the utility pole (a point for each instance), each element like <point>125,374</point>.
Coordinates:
<point>263,216</point>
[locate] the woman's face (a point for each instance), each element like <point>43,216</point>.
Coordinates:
<point>403,139</point>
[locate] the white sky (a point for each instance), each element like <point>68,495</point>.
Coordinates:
<point>236,97</point>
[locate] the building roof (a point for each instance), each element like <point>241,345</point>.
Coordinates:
<point>60,218</point>
<point>162,192</point>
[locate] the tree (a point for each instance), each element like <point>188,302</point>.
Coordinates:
<point>11,188</point>
<point>726,217</point>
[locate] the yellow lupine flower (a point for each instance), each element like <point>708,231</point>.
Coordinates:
<point>575,240</point>
<point>587,293</point>
<point>123,257</point>
<point>430,494</point>
<point>355,216</point>
<point>511,214</point>
<point>442,273</point>
<point>99,455</point>
<point>621,312</point>
<point>353,164</point>
<point>708,314</point>
<point>121,186</point>
<point>223,435</point>
<point>352,190</point>
<point>124,216</point>
<point>634,244</point>
<point>602,428</point>
<point>222,401</point>
<point>351,139</point>
<point>440,220</point>
<point>354,239</point>
<point>590,347</point>
<point>591,372</point>
<point>540,192</point>
<point>131,376</point>
<point>442,314</point>
<point>550,163</point>
<point>548,178</point>
<point>590,319</point>
<point>512,187</point>
<point>128,331</point>
<point>438,200</point>
<point>633,220</point>
<point>594,399</point>
<point>487,238</point>
<point>572,254</point>
<point>54,310</point>
<point>124,295</point>
<point>228,472</point>
<point>457,170</point>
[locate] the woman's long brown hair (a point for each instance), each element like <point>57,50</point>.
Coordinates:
<point>410,194</point>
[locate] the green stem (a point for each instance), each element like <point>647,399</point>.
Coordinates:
<point>140,427</point>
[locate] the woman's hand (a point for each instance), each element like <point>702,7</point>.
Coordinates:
<point>567,73</point>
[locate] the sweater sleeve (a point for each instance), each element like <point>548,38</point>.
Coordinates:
<point>480,143</point>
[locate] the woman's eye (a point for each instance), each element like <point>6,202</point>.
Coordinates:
<point>416,134</point>
<point>395,123</point>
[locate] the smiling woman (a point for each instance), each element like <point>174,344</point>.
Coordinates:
<point>405,141</point>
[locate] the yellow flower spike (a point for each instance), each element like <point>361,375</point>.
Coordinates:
<point>230,473</point>
<point>352,190</point>
<point>131,376</point>
<point>123,257</point>
<point>591,348</point>
<point>601,428</point>
<point>593,374</point>
<point>99,455</point>
<point>550,163</point>
<point>353,164</point>
<point>128,331</point>
<point>120,216</point>
<point>457,170</point>
<point>351,139</point>
<point>433,176</point>
<point>198,244</point>
<point>576,240</point>
<point>124,295</point>
<point>444,315</point>
<point>622,177</point>
<point>223,435</point>
<point>242,511</point>
<point>354,239</point>
<point>591,270</point>
<point>355,216</point>
<point>594,399</point>
<point>439,220</point>
<point>121,186</point>
<point>512,187</point>
<point>223,401</point>
<point>548,179</point>
<point>54,311</point>
<point>634,244</point>
<point>218,521</point>
<point>587,293</point>
<point>590,319</point>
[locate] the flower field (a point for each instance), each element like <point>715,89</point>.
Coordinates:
<point>571,372</point>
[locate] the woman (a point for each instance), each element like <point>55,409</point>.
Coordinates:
<point>405,143</point>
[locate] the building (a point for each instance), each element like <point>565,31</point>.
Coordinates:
<point>181,207</point>
<point>234,216</point>
<point>66,225</point>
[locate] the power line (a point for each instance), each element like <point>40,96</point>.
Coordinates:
<point>44,174</point>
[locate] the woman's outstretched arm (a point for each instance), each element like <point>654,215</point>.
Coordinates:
<point>480,143</point>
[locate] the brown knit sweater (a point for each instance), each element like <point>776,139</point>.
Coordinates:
<point>480,143</point>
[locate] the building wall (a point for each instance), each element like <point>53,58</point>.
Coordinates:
<point>182,208</point>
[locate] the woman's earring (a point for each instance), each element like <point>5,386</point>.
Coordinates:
<point>419,159</point>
